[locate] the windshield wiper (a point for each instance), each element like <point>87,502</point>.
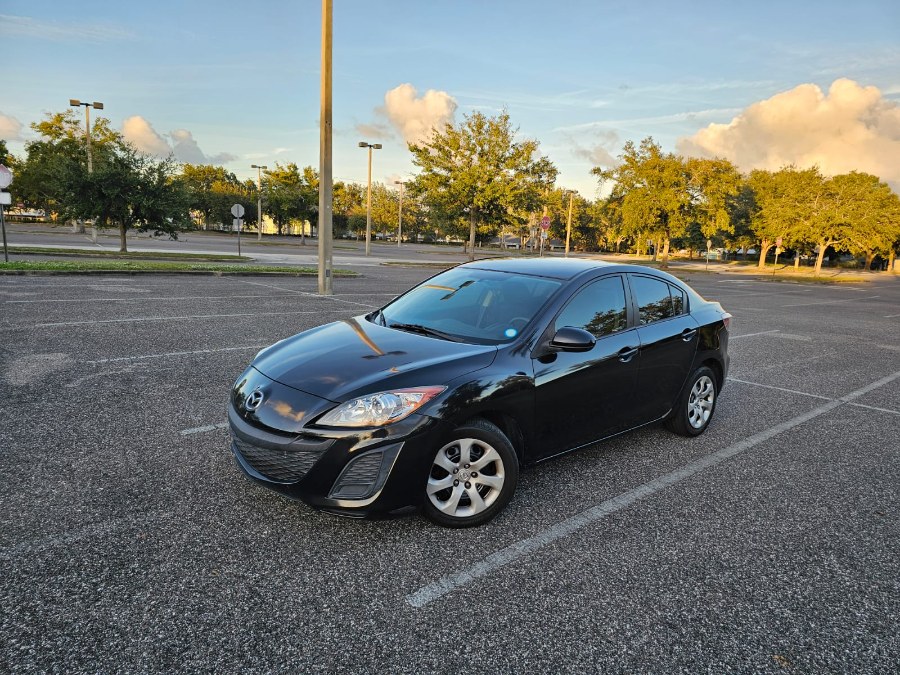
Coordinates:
<point>423,330</point>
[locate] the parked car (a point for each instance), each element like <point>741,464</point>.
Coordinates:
<point>438,398</point>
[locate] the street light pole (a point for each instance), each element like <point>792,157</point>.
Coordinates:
<point>400,215</point>
<point>569,223</point>
<point>87,137</point>
<point>259,170</point>
<point>326,186</point>
<point>370,146</point>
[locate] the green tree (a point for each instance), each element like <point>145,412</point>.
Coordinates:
<point>476,171</point>
<point>291,195</point>
<point>654,190</point>
<point>127,190</point>
<point>5,156</point>
<point>212,191</point>
<point>871,213</point>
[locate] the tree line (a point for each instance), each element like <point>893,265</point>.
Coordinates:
<point>476,180</point>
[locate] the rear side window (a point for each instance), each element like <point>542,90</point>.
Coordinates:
<point>598,308</point>
<point>656,299</point>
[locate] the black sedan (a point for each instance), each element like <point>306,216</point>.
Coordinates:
<point>436,399</point>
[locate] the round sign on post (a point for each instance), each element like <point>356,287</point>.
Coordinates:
<point>545,223</point>
<point>237,211</point>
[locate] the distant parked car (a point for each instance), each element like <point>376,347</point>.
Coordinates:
<point>436,399</point>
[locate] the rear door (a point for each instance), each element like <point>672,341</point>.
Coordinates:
<point>668,340</point>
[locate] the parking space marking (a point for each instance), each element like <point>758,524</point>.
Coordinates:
<point>831,302</point>
<point>167,318</point>
<point>202,430</point>
<point>765,332</point>
<point>304,293</point>
<point>890,316</point>
<point>146,299</point>
<point>141,357</point>
<point>771,386</point>
<point>803,393</point>
<point>506,556</point>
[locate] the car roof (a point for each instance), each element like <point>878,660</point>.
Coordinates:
<point>555,268</point>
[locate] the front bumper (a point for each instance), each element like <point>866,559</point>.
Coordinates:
<point>352,472</point>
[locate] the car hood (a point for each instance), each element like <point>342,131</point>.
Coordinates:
<point>351,357</point>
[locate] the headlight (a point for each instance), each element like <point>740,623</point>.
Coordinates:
<point>376,410</point>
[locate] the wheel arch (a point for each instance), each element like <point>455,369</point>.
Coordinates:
<point>510,428</point>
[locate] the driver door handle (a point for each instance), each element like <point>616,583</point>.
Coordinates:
<point>688,334</point>
<point>626,354</point>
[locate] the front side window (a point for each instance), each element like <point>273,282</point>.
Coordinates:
<point>598,308</point>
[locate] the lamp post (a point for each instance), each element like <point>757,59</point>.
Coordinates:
<point>259,169</point>
<point>400,214</point>
<point>569,223</point>
<point>370,146</point>
<point>87,135</point>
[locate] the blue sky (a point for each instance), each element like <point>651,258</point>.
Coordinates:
<point>238,83</point>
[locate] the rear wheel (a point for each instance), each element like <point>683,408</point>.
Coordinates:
<point>473,476</point>
<point>696,404</point>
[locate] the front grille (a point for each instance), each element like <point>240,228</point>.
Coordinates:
<point>286,465</point>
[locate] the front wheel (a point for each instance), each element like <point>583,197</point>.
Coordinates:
<point>695,405</point>
<point>473,476</point>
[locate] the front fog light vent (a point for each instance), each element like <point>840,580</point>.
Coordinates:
<point>360,478</point>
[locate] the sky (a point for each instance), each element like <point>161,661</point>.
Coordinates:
<point>763,84</point>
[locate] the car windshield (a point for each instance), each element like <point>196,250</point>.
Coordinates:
<point>469,305</point>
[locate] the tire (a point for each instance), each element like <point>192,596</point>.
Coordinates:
<point>695,405</point>
<point>461,493</point>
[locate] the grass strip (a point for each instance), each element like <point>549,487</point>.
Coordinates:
<point>129,266</point>
<point>128,255</point>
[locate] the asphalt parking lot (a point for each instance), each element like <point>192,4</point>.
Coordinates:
<point>130,542</point>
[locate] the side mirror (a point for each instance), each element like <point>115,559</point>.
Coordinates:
<point>571,339</point>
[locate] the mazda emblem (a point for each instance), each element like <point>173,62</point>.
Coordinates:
<point>254,400</point>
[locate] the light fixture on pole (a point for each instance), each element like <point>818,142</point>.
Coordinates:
<point>370,146</point>
<point>87,124</point>
<point>259,169</point>
<point>79,227</point>
<point>400,214</point>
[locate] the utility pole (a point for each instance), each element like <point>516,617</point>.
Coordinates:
<point>400,215</point>
<point>569,223</point>
<point>97,105</point>
<point>325,184</point>
<point>259,222</point>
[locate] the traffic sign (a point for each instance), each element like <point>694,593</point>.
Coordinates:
<point>5,177</point>
<point>545,223</point>
<point>236,224</point>
<point>778,242</point>
<point>237,211</point>
<point>544,234</point>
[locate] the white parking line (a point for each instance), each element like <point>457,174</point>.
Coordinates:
<point>146,299</point>
<point>765,332</point>
<point>803,393</point>
<point>165,318</point>
<point>201,430</point>
<point>503,557</point>
<point>141,357</point>
<point>303,293</point>
<point>831,302</point>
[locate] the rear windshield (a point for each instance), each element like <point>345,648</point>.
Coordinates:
<point>471,305</point>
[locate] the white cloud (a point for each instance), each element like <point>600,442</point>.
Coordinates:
<point>600,149</point>
<point>10,128</point>
<point>181,143</point>
<point>141,134</point>
<point>850,128</point>
<point>186,150</point>
<point>59,31</point>
<point>415,116</point>
<point>376,131</point>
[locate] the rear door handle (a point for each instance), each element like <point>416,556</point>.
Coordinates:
<point>626,354</point>
<point>688,334</point>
